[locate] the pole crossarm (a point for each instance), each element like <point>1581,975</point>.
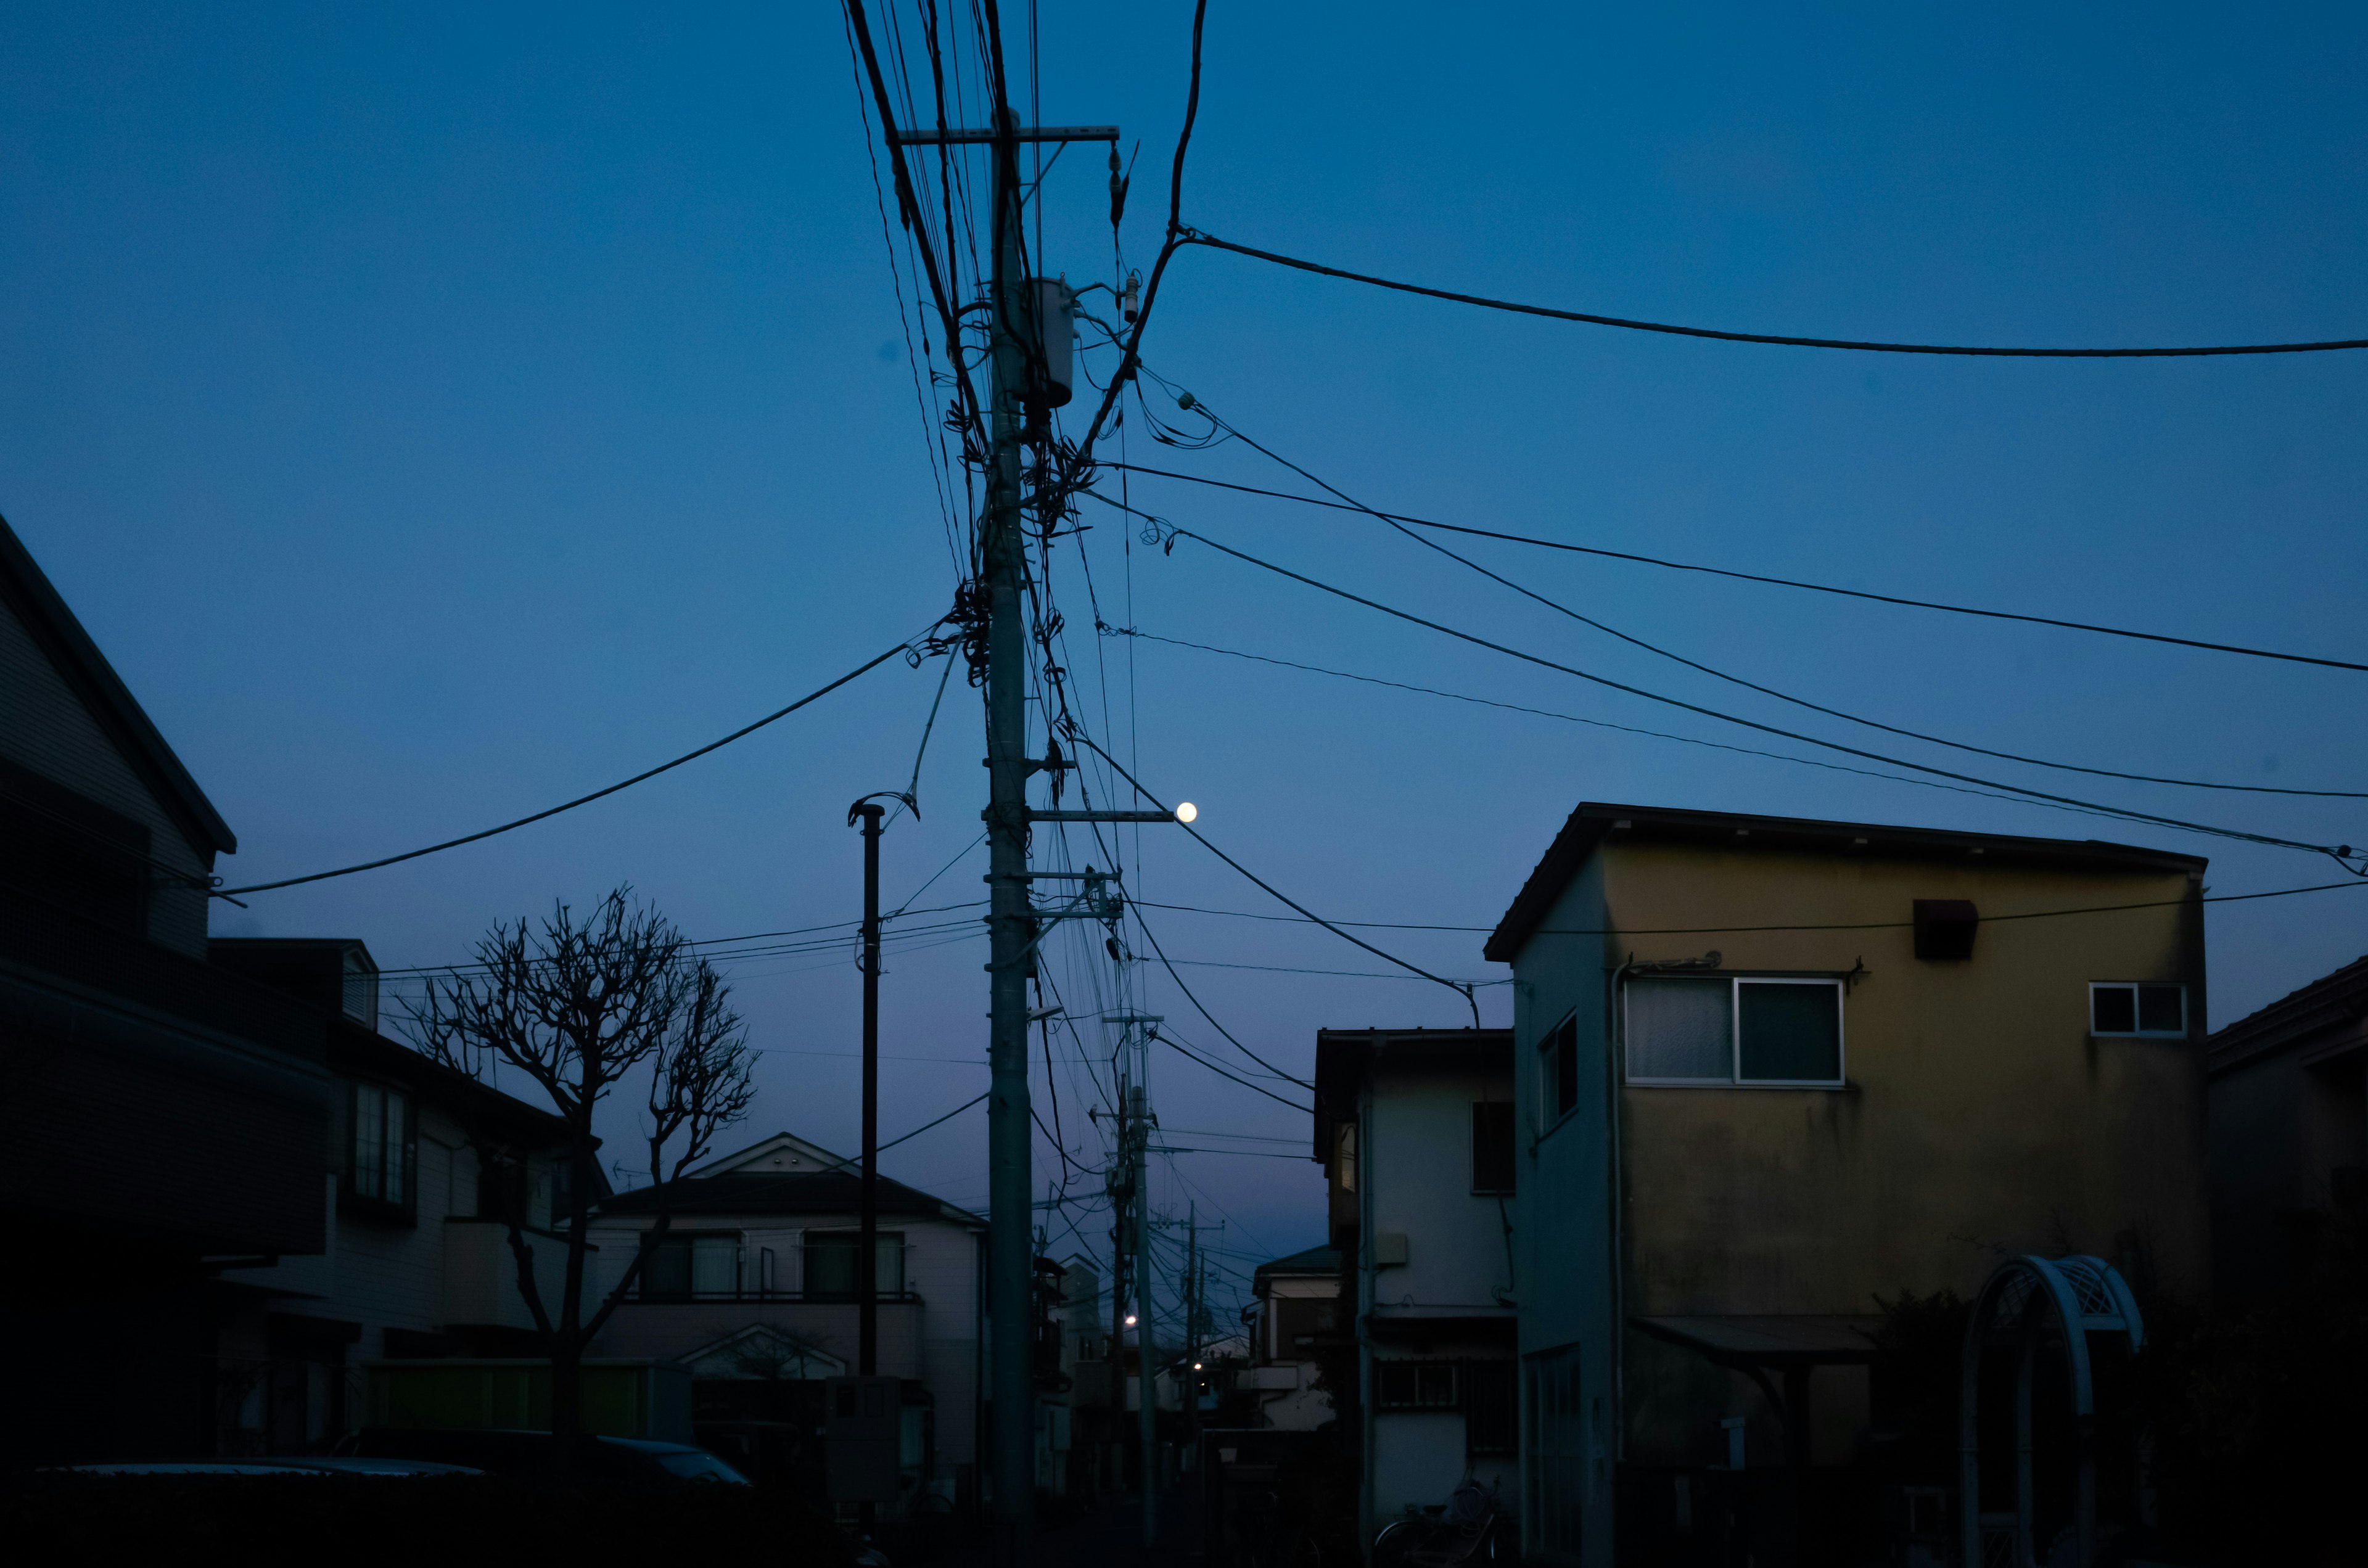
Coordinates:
<point>1034,815</point>
<point>964,138</point>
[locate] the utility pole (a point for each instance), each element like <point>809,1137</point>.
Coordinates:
<point>867,1245</point>
<point>1017,324</point>
<point>1004,551</point>
<point>1147,1425</point>
<point>1193,1330</point>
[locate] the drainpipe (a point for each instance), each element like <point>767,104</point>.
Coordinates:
<point>1614,1108</point>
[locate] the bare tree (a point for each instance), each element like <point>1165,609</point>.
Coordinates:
<point>583,1006</point>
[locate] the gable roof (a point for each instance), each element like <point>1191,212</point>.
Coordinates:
<point>1591,822</point>
<point>830,1192</point>
<point>28,591</point>
<point>2327,1006</point>
<point>783,1152</point>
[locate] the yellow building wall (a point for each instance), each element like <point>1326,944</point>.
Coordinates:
<point>1980,1119</point>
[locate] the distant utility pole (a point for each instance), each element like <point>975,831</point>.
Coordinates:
<point>1138,1127</point>
<point>1022,315</point>
<point>867,1245</point>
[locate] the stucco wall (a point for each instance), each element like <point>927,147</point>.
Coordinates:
<point>1563,1205</point>
<point>1981,1118</point>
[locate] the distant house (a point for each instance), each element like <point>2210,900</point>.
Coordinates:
<point>160,1118</point>
<point>1295,1304</point>
<point>1417,1130</point>
<point>427,1168</point>
<point>2288,1132</point>
<point>756,1280</point>
<point>1766,1069</point>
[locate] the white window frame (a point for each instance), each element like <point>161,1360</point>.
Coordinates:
<point>1735,1078</point>
<point>1551,1114</point>
<point>2132,987</point>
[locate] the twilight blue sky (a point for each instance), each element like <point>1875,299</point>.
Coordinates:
<point>440,411</point>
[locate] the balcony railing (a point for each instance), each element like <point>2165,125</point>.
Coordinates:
<point>810,1297</point>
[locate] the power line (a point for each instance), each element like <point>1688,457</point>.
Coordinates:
<point>1146,927</point>
<point>1194,237</point>
<point>581,799</point>
<point>1748,576</point>
<point>1738,930</point>
<point>1575,719</point>
<point>1716,674</point>
<point>2338,853</point>
<point>1462,991</point>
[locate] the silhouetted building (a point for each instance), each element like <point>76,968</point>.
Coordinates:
<point>2287,1131</point>
<point>160,1118</point>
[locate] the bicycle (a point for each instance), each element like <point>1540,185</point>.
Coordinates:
<point>1468,1529</point>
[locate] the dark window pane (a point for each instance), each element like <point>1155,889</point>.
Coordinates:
<point>830,1266</point>
<point>1488,1407</point>
<point>1436,1385</point>
<point>1565,1066</point>
<point>2161,1009</point>
<point>1680,1029</point>
<point>2115,1008</point>
<point>1492,1146</point>
<point>668,1272</point>
<point>1395,1384</point>
<point>1791,1033</point>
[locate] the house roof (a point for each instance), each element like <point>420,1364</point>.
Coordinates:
<point>2332,1005</point>
<point>1593,821</point>
<point>810,1192</point>
<point>29,592</point>
<point>1315,1262</point>
<point>353,1049</point>
<point>1343,1056</point>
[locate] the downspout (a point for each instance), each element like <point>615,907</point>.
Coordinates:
<point>1365,1171</point>
<point>1615,1045</point>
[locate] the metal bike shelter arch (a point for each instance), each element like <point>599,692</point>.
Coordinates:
<point>2027,1303</point>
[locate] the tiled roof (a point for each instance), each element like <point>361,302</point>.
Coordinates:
<point>2330,1003</point>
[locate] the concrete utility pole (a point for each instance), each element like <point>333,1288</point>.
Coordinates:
<point>867,1257</point>
<point>1008,1179</point>
<point>1147,1427</point>
<point>1017,324</point>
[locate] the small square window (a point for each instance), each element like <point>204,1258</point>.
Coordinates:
<point>2122,1008</point>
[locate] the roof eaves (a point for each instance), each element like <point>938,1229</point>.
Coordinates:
<point>1591,821</point>
<point>52,620</point>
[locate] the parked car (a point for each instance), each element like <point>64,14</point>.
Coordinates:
<point>316,1464</point>
<point>631,1461</point>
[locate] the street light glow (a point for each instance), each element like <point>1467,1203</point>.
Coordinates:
<point>1186,810</point>
<point>1129,1320</point>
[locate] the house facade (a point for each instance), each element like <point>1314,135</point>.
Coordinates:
<point>1295,1302</point>
<point>1416,1129</point>
<point>427,1170</point>
<point>2288,1132</point>
<point>1766,1069</point>
<point>160,1118</point>
<point>755,1282</point>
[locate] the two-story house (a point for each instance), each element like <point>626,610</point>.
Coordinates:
<point>160,1118</point>
<point>755,1280</point>
<point>1294,1301</point>
<point>1416,1129</point>
<point>1767,1068</point>
<point>426,1168</point>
